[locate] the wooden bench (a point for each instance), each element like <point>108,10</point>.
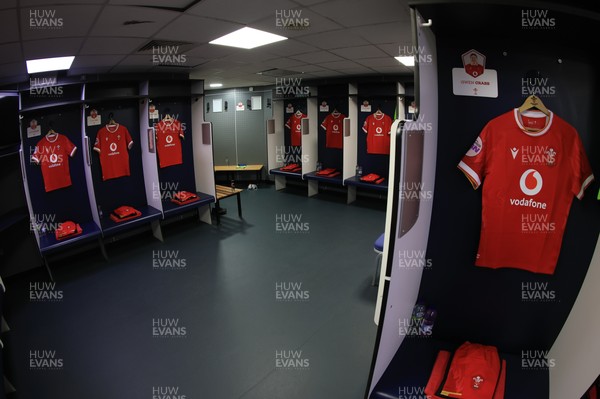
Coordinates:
<point>223,192</point>
<point>233,169</point>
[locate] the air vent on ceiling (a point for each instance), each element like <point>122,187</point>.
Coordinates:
<point>154,44</point>
<point>137,22</point>
<point>277,73</point>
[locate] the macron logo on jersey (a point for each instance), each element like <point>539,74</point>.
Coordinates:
<point>514,151</point>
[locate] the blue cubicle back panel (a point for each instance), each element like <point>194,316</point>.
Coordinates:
<point>177,177</point>
<point>68,203</point>
<point>126,190</point>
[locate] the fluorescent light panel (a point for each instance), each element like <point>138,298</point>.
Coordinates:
<point>406,60</point>
<point>216,85</point>
<point>248,38</point>
<point>49,64</point>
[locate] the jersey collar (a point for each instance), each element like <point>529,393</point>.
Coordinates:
<point>536,114</point>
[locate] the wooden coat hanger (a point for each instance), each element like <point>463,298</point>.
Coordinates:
<point>533,102</point>
<point>51,132</point>
<point>111,121</point>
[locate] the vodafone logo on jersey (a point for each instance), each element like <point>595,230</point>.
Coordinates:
<point>336,128</point>
<point>169,139</point>
<point>53,158</point>
<point>113,147</point>
<point>531,182</point>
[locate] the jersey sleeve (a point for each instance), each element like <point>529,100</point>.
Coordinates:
<point>365,127</point>
<point>97,143</point>
<point>288,124</point>
<point>70,147</point>
<point>128,138</point>
<point>35,157</point>
<point>474,162</point>
<point>325,122</point>
<point>181,134</point>
<point>582,171</point>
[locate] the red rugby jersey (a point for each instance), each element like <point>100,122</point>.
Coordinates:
<point>113,143</point>
<point>294,124</point>
<point>52,153</point>
<point>530,180</point>
<point>333,125</point>
<point>377,128</point>
<point>168,142</point>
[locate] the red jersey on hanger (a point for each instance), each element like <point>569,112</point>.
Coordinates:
<point>168,142</point>
<point>530,180</point>
<point>113,143</point>
<point>52,153</point>
<point>333,125</point>
<point>377,128</point>
<point>294,124</point>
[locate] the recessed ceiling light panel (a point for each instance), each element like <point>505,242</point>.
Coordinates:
<point>248,38</point>
<point>49,64</point>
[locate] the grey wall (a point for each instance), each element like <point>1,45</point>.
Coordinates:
<point>239,136</point>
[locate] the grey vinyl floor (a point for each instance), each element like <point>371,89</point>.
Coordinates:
<point>277,305</point>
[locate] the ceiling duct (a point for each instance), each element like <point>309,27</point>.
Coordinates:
<point>278,73</point>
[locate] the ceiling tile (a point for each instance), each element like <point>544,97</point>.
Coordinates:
<point>309,68</point>
<point>144,61</point>
<point>385,33</point>
<point>95,70</point>
<point>13,69</point>
<point>112,19</point>
<point>326,73</point>
<point>9,28</point>
<point>59,21</point>
<point>154,3</point>
<point>188,28</point>
<point>339,65</point>
<point>308,2</point>
<point>28,3</point>
<point>400,69</point>
<point>11,53</point>
<point>333,39</point>
<point>283,63</point>
<point>87,61</point>
<point>379,62</point>
<point>356,53</point>
<point>111,45</point>
<point>315,23</point>
<point>8,4</point>
<point>357,71</point>
<point>289,47</point>
<point>361,12</point>
<point>393,49</point>
<point>317,57</point>
<point>240,11</point>
<point>213,51</point>
<point>51,47</point>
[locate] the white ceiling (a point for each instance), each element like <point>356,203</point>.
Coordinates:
<point>344,37</point>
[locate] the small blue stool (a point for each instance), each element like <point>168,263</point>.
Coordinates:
<point>378,248</point>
